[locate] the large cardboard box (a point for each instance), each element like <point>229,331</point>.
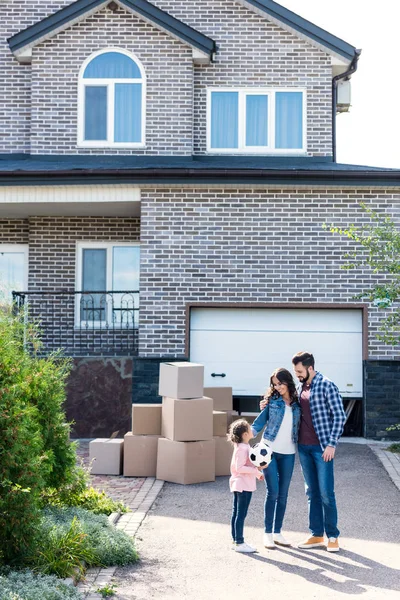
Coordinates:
<point>220,421</point>
<point>222,397</point>
<point>181,380</point>
<point>146,419</point>
<point>186,462</point>
<point>140,455</point>
<point>105,455</point>
<point>232,415</point>
<point>223,456</point>
<point>187,420</point>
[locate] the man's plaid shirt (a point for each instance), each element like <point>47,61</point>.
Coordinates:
<point>327,412</point>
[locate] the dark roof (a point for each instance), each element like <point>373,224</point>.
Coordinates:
<point>51,170</point>
<point>284,15</point>
<point>72,12</point>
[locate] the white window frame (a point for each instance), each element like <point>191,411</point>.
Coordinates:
<point>21,248</point>
<point>108,246</point>
<point>270,148</point>
<point>110,84</point>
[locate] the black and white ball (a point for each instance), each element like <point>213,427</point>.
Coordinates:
<point>260,455</point>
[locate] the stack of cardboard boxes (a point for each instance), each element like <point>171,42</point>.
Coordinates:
<point>183,440</point>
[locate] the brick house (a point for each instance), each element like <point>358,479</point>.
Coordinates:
<point>184,153</point>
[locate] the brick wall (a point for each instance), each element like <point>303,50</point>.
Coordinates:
<point>252,52</point>
<point>220,245</point>
<point>14,231</point>
<point>382,384</point>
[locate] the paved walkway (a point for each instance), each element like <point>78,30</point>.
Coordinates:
<point>186,553</point>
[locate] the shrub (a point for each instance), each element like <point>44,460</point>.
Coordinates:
<point>78,493</point>
<point>35,451</point>
<point>110,546</point>
<point>25,585</point>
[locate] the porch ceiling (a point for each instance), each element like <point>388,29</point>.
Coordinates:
<point>69,209</point>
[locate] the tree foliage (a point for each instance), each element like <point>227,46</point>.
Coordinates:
<point>378,247</point>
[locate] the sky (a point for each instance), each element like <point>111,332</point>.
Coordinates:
<point>370,133</point>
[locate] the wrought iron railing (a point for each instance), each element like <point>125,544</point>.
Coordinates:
<point>84,323</point>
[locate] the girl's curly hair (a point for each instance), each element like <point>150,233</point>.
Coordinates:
<point>236,431</point>
<point>284,376</point>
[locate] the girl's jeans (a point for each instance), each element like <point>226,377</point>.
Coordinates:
<point>241,501</point>
<point>277,480</point>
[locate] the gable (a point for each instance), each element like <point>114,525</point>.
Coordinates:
<point>21,44</point>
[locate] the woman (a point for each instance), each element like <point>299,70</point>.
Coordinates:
<point>281,419</point>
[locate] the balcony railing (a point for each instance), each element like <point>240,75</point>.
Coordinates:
<point>84,323</point>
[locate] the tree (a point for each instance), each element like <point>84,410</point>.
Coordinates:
<point>378,247</point>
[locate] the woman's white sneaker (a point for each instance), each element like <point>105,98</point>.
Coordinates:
<point>269,541</point>
<point>280,540</point>
<point>244,548</point>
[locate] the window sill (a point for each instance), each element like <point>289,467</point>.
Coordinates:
<point>121,145</point>
<point>262,152</point>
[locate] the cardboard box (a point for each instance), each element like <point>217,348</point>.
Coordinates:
<point>222,397</point>
<point>220,422</point>
<point>181,380</point>
<point>146,419</point>
<point>223,456</point>
<point>187,420</point>
<point>186,462</point>
<point>232,415</point>
<point>106,454</point>
<point>140,455</point>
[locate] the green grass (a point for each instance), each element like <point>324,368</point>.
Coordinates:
<point>395,447</point>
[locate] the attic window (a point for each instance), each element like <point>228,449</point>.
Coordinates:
<point>111,101</point>
<point>256,121</point>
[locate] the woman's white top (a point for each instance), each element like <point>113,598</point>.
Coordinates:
<point>283,443</point>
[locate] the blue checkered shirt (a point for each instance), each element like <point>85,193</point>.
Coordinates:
<point>327,412</point>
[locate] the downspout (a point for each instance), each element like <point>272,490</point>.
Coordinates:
<point>346,75</point>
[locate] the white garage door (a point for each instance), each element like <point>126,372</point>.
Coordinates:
<point>248,344</point>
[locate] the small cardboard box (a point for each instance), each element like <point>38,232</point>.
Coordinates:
<point>106,454</point>
<point>222,397</point>
<point>140,455</point>
<point>146,419</point>
<point>186,462</point>
<point>223,456</point>
<point>232,415</point>
<point>181,380</point>
<point>187,420</point>
<point>220,420</point>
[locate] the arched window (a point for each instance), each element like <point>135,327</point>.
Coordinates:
<point>111,100</point>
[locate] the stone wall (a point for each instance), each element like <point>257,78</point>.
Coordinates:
<point>382,390</point>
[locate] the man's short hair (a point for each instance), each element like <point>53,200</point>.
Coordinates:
<point>305,358</point>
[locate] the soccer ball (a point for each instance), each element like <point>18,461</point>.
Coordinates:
<point>260,455</point>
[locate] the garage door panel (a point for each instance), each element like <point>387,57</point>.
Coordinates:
<point>248,356</point>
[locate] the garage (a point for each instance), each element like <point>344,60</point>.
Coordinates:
<point>240,347</point>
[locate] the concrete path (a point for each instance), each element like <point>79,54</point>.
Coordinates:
<point>186,552</point>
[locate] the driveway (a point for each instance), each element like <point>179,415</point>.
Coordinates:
<point>186,553</point>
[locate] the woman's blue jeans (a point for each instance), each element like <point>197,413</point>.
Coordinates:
<point>277,476</point>
<point>241,501</point>
<point>319,482</point>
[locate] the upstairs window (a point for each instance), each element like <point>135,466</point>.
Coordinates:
<point>256,121</point>
<point>111,101</point>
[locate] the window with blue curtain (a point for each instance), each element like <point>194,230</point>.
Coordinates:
<point>289,120</point>
<point>256,120</point>
<point>224,120</point>
<point>113,99</point>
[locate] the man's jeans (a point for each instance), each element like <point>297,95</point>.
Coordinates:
<point>241,501</point>
<point>277,480</point>
<point>319,481</point>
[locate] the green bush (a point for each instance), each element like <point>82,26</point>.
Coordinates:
<point>109,545</point>
<point>35,452</point>
<point>64,551</point>
<point>25,585</point>
<point>79,493</point>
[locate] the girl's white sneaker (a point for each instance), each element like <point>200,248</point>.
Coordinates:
<point>280,540</point>
<point>268,540</point>
<point>244,548</point>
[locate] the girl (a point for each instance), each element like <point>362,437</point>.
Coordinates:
<point>281,419</point>
<point>242,482</point>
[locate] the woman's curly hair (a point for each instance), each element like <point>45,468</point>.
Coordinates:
<point>284,376</point>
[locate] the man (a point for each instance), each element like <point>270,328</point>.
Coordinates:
<point>321,425</point>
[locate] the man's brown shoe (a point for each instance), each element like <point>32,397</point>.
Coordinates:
<point>312,542</point>
<point>333,545</point>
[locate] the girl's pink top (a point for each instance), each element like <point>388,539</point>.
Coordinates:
<point>243,472</point>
